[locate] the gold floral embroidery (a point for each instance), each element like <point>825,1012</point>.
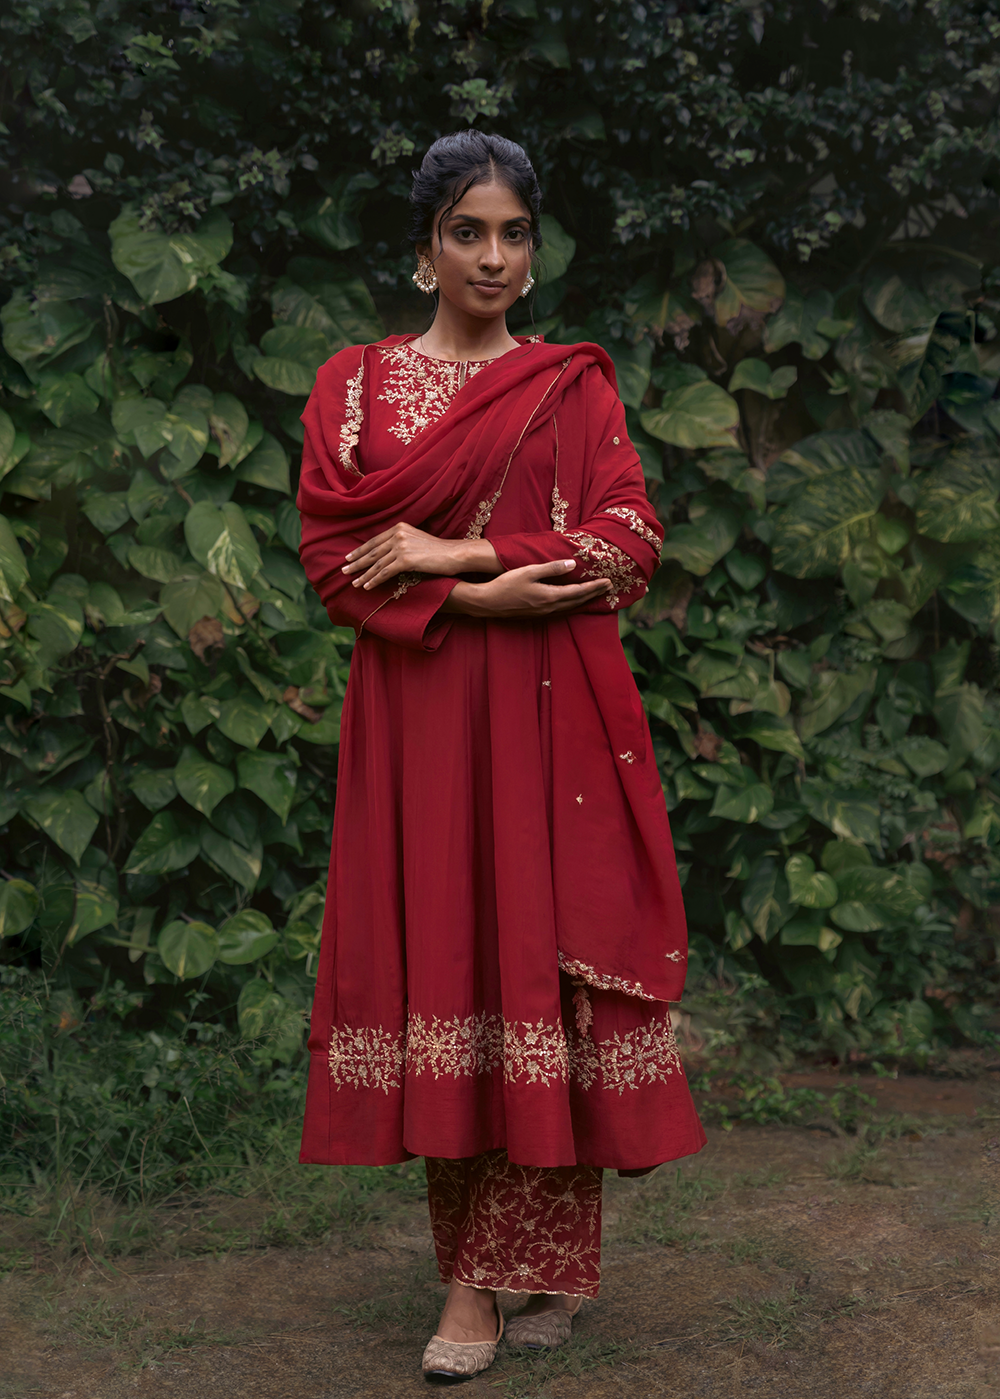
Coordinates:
<point>628,757</point>
<point>602,980</point>
<point>366,1058</point>
<point>350,428</point>
<point>421,387</point>
<point>483,1044</point>
<point>636,1059</point>
<point>517,1228</point>
<point>454,1048</point>
<point>482,516</point>
<point>535,1053</point>
<point>605,560</point>
<point>635,523</point>
<point>559,504</point>
<point>405,582</point>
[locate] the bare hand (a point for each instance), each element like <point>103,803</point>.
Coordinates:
<point>403,549</point>
<point>524,593</point>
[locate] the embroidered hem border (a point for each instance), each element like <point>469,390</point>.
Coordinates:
<point>374,1058</point>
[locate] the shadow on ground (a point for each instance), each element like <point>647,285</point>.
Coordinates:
<point>781,1262</point>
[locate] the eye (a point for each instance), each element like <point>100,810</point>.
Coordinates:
<point>517,235</point>
<point>465,235</point>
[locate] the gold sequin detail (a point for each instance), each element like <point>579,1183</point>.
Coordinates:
<point>605,560</point>
<point>628,757</point>
<point>572,967</point>
<point>350,428</point>
<point>422,388</point>
<point>635,523</point>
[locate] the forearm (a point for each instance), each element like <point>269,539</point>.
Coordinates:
<point>474,556</point>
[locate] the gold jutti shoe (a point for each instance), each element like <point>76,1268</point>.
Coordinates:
<point>543,1330</point>
<point>451,1362</point>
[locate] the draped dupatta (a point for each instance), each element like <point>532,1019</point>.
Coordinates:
<point>616,902</point>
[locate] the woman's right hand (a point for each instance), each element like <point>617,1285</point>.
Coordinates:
<point>525,593</point>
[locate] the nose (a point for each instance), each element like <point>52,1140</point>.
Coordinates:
<point>491,257</point>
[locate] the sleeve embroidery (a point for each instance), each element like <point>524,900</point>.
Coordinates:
<point>605,560</point>
<point>559,503</point>
<point>350,430</point>
<point>635,523</point>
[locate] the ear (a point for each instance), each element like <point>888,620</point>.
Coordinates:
<point>422,249</point>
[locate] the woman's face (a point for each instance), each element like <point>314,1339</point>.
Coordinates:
<point>484,255</point>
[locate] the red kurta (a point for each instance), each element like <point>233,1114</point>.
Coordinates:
<point>500,833</point>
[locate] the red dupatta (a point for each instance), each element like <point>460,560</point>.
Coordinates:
<point>447,482</point>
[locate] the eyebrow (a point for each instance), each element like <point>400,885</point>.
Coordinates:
<point>469,218</point>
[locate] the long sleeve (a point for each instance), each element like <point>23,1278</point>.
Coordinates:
<point>618,535</point>
<point>405,610</point>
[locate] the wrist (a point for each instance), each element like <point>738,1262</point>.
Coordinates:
<point>477,556</point>
<point>468,599</point>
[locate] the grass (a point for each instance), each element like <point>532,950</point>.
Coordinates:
<point>137,1342</point>
<point>773,1321</point>
<point>655,1211</point>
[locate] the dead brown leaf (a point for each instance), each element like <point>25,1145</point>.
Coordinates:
<point>707,744</point>
<point>291,698</point>
<point>204,635</point>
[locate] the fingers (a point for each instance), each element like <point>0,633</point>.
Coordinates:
<point>553,569</point>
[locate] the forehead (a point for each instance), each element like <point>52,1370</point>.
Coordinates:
<point>493,202</point>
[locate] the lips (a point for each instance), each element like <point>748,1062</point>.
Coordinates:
<point>489,288</point>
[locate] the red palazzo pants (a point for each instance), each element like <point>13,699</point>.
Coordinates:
<point>515,1228</point>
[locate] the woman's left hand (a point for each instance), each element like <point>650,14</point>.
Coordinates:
<point>403,548</point>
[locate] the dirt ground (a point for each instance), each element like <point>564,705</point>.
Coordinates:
<point>781,1262</point>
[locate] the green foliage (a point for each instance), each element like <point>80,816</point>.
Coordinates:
<point>793,269</point>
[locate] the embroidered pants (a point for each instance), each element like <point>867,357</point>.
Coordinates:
<point>516,1228</point>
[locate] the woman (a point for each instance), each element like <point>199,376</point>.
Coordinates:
<point>504,925</point>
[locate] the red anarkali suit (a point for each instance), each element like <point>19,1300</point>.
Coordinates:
<point>504,925</point>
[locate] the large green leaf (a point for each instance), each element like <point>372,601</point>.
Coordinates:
<point>808,886</point>
<point>245,719</point>
<point>833,693</point>
<point>272,777</point>
<point>188,599</point>
<point>700,545</point>
<point>229,423</point>
<point>246,937</point>
<point>166,845</point>
<point>556,252</point>
<point>696,415</point>
<point>18,906</point>
<point>751,280</point>
<point>233,858</point>
<point>798,322</point>
<point>37,331</point>
<point>747,803</point>
<point>755,374</point>
<point>188,948</point>
<point>818,457</point>
<point>155,787</point>
<point>222,541</point>
<point>63,397</point>
<point>338,304</point>
<point>163,266</point>
<point>66,818</point>
<point>266,465</point>
<point>765,898</point>
<point>291,356</point>
<point>957,502</point>
<point>201,783</point>
<point>849,814</point>
<point>814,532</point>
<point>333,221</point>
<point>13,567</point>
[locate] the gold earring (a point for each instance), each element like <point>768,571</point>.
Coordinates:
<point>425,278</point>
<point>528,285</point>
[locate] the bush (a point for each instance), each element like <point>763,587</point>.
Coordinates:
<point>794,269</point>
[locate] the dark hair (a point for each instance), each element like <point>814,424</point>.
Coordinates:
<point>454,164</point>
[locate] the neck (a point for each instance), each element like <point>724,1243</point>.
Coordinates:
<point>457,335</point>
